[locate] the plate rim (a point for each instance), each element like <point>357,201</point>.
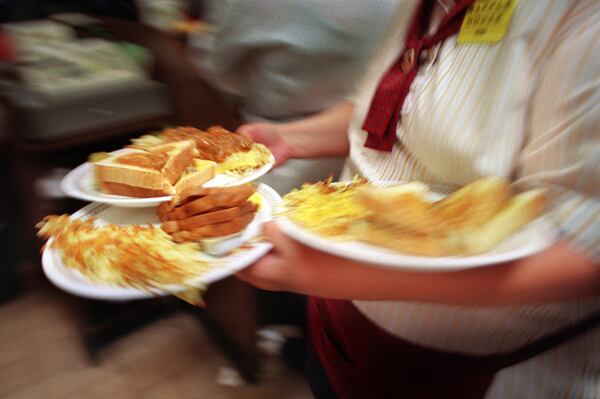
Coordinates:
<point>363,252</point>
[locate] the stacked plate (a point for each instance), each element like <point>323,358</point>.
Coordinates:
<point>114,209</point>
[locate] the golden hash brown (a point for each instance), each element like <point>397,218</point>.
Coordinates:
<point>143,257</point>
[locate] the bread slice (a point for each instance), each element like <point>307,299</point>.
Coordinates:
<point>180,157</point>
<point>514,215</point>
<point>519,211</point>
<point>214,230</point>
<point>223,198</point>
<point>209,218</point>
<point>139,173</point>
<point>468,208</point>
<point>130,191</point>
<point>403,207</point>
<point>403,241</point>
<point>110,173</point>
<point>195,175</point>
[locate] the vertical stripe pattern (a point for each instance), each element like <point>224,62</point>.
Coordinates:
<point>528,109</point>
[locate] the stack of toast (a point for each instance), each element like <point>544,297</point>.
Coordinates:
<point>201,213</point>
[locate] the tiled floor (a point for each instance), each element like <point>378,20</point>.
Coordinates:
<point>41,356</point>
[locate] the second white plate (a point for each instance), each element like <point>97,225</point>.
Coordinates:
<point>75,283</point>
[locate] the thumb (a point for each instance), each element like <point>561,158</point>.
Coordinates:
<point>274,235</point>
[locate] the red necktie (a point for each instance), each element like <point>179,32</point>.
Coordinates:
<point>387,102</point>
<point>6,51</point>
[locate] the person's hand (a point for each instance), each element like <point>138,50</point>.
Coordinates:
<point>271,135</point>
<point>294,267</point>
<point>290,266</point>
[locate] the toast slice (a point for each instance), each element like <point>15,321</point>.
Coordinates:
<point>388,236</point>
<point>200,213</point>
<point>195,175</point>
<point>209,218</point>
<point>476,222</point>
<point>150,173</point>
<point>214,230</point>
<point>468,208</point>
<point>520,210</point>
<point>180,156</point>
<point>405,207</point>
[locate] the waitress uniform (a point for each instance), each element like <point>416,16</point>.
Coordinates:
<point>432,109</point>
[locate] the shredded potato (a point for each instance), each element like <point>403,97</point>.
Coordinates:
<point>143,257</point>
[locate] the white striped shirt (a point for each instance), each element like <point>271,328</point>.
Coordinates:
<point>527,108</point>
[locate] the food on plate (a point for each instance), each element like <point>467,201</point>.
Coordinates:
<point>98,156</point>
<point>176,159</point>
<point>200,213</point>
<point>326,208</point>
<point>156,171</point>
<point>233,153</point>
<point>518,211</point>
<point>403,217</point>
<point>195,175</point>
<point>143,257</point>
<point>407,206</point>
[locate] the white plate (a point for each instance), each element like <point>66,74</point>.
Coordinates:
<point>75,283</point>
<point>535,237</point>
<point>80,183</point>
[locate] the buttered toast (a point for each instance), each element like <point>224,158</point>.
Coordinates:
<point>158,171</point>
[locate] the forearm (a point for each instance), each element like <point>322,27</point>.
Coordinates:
<point>322,135</point>
<point>558,274</point>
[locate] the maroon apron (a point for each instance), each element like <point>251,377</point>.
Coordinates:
<point>363,361</point>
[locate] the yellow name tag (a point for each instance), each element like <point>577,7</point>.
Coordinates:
<point>486,21</point>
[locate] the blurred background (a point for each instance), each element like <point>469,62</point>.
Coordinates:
<point>78,77</point>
